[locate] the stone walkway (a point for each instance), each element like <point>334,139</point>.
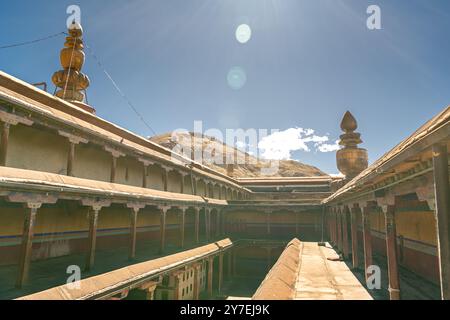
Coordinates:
<point>323,279</point>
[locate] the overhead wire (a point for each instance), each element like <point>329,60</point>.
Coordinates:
<point>114,83</point>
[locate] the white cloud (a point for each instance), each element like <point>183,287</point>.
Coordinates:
<point>326,147</point>
<point>241,145</point>
<point>280,145</point>
<point>336,175</point>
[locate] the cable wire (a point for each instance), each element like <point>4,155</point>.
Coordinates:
<point>99,64</point>
<point>31,41</point>
<point>119,90</point>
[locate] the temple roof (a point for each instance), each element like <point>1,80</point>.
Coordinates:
<point>20,93</point>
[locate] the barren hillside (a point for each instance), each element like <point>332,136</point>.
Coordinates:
<point>248,166</point>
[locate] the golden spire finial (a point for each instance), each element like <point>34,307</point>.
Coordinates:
<point>71,81</point>
<point>351,160</point>
<point>348,122</point>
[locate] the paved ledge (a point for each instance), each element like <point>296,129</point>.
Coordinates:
<point>306,271</point>
<point>279,284</point>
<point>322,279</point>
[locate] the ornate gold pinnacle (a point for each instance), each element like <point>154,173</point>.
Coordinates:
<point>71,81</point>
<point>351,160</point>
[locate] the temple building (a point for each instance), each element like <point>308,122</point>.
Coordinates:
<point>77,191</point>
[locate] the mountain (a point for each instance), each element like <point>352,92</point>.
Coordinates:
<point>247,165</point>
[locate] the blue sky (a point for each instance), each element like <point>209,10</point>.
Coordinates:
<point>306,63</point>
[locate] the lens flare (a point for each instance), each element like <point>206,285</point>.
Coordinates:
<point>236,78</point>
<point>243,33</point>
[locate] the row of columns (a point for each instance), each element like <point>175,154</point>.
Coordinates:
<point>339,234</point>
<point>437,196</point>
<point>34,203</point>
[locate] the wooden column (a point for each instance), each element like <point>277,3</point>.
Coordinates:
<point>345,244</point>
<point>73,141</point>
<point>442,204</point>
<point>92,237</point>
<point>220,280</point>
<point>222,223</point>
<point>4,143</point>
<point>182,226</point>
<point>133,228</point>
<point>144,176</point>
<point>355,211</point>
<point>197,267</point>
<point>218,214</point>
<point>268,223</point>
<point>27,242</point>
<point>391,250</point>
<point>210,275</point>
<point>165,178</point>
<point>336,227</point>
<point>176,288</point>
<point>145,167</point>
<point>70,158</point>
<point>207,224</point>
<point>182,182</point>
<point>367,239</point>
<point>115,154</point>
<point>194,186</point>
<point>113,169</point>
<point>197,225</point>
<point>211,190</point>
<point>162,228</point>
<point>339,230</point>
